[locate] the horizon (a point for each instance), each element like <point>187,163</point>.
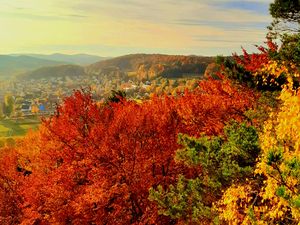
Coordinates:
<point>103,56</point>
<point>113,28</point>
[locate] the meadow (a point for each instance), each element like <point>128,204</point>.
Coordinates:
<point>17,127</point>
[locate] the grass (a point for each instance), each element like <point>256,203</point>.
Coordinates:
<point>17,127</point>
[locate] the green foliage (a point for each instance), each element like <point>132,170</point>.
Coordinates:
<point>220,59</point>
<point>281,192</point>
<point>285,9</point>
<point>1,111</point>
<point>296,202</point>
<point>293,170</point>
<point>242,141</point>
<point>290,48</point>
<point>286,14</point>
<point>269,99</point>
<point>223,160</point>
<point>185,196</point>
<point>267,102</point>
<point>236,72</point>
<point>20,127</point>
<point>275,156</point>
<point>116,96</point>
<point>179,69</point>
<point>8,107</point>
<point>198,151</point>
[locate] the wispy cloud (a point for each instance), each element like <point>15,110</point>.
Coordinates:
<point>257,7</point>
<point>236,25</point>
<point>77,16</point>
<point>170,26</point>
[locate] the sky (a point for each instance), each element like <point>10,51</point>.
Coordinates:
<point>118,27</point>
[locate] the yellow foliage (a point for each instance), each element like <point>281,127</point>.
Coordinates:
<point>274,69</point>
<point>233,206</point>
<point>281,134</point>
<point>257,203</point>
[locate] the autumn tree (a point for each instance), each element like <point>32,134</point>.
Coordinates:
<point>272,196</point>
<point>10,181</point>
<point>95,164</point>
<point>267,70</point>
<point>223,161</point>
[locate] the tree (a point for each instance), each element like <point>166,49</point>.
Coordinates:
<point>286,10</point>
<point>223,161</point>
<point>96,164</point>
<point>290,49</point>
<point>8,107</point>
<point>286,14</point>
<point>272,196</point>
<point>10,182</point>
<point>1,110</point>
<point>116,96</point>
<point>268,70</point>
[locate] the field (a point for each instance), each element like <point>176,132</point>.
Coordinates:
<point>17,127</point>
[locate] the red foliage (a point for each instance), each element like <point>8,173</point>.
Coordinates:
<point>10,180</point>
<point>255,61</point>
<point>96,164</point>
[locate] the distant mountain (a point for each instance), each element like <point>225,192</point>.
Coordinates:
<point>149,66</point>
<point>54,71</point>
<point>12,65</point>
<point>79,59</point>
<point>135,66</point>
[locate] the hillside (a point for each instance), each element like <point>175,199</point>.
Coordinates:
<point>78,59</point>
<point>11,65</point>
<point>54,71</point>
<point>135,66</point>
<point>149,66</point>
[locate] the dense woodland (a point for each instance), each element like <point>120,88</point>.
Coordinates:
<point>150,66</point>
<point>226,152</point>
<point>141,67</point>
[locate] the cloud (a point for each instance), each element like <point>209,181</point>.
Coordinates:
<point>169,26</point>
<point>252,6</point>
<point>39,17</point>
<point>76,16</point>
<point>230,25</point>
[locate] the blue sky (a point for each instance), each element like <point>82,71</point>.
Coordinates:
<point>117,27</point>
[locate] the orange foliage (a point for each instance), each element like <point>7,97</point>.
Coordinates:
<point>95,165</point>
<point>10,180</point>
<point>254,62</point>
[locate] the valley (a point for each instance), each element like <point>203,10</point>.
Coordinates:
<point>37,92</point>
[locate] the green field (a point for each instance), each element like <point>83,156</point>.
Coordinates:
<point>17,127</point>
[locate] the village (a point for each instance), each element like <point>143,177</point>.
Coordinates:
<point>38,97</point>
<point>41,97</point>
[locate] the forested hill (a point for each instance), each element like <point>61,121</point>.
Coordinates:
<point>77,59</point>
<point>54,71</point>
<point>135,66</point>
<point>149,66</point>
<point>10,65</point>
<point>16,64</point>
